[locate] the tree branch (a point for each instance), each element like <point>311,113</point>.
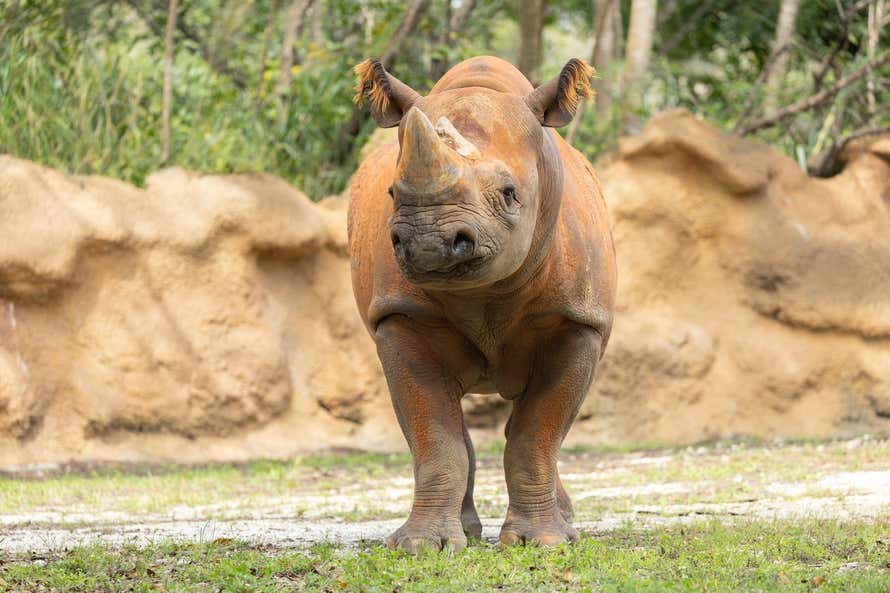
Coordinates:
<point>460,17</point>
<point>264,54</point>
<point>295,17</point>
<point>827,165</point>
<point>216,64</point>
<point>456,22</point>
<point>749,100</point>
<point>817,99</point>
<point>600,26</point>
<point>406,26</point>
<point>843,41</point>
<point>167,103</point>
<point>690,23</point>
<point>346,136</point>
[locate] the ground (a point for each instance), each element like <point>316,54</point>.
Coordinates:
<point>738,516</point>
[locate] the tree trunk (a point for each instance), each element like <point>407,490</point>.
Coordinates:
<point>455,23</point>
<point>460,16</point>
<point>294,23</point>
<point>406,27</point>
<point>776,74</point>
<point>439,62</point>
<point>531,31</point>
<point>875,21</point>
<point>346,135</point>
<point>618,30</point>
<point>636,59</point>
<point>267,38</point>
<point>601,57</point>
<point>317,35</point>
<point>607,13</point>
<point>167,98</point>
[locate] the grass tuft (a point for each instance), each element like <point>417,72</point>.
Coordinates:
<point>765,556</point>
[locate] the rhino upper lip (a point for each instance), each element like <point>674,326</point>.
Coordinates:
<point>463,267</point>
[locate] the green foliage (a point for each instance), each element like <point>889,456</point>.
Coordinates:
<point>711,66</point>
<point>780,556</point>
<point>81,80</point>
<point>80,85</point>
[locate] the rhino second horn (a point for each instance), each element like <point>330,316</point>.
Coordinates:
<point>455,139</point>
<point>427,164</point>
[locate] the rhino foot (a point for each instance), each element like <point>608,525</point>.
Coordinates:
<point>419,534</point>
<point>547,529</point>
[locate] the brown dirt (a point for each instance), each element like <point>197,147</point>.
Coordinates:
<point>201,318</point>
<point>753,299</point>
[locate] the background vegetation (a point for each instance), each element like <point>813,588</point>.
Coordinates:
<point>266,84</point>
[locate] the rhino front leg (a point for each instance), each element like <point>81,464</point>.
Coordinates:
<point>539,510</point>
<point>426,396</point>
<point>562,497</point>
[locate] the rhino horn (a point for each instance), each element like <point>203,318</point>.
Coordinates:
<point>427,164</point>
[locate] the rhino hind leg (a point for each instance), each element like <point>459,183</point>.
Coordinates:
<point>469,518</point>
<point>426,398</point>
<point>540,510</point>
<point>563,500</point>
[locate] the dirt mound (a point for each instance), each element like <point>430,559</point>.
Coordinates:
<point>211,317</point>
<point>201,318</point>
<point>753,299</point>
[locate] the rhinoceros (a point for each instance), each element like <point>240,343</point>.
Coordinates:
<point>482,262</point>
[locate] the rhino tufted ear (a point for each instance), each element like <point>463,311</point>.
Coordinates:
<point>390,98</point>
<point>554,103</point>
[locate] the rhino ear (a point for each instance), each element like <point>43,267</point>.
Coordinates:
<point>554,103</point>
<point>390,98</point>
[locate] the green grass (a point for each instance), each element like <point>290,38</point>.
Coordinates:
<point>88,102</point>
<point>369,461</point>
<point>750,556</point>
<point>156,489</point>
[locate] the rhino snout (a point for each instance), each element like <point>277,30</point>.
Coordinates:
<point>426,252</point>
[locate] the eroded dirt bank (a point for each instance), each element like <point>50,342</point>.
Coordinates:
<point>211,317</point>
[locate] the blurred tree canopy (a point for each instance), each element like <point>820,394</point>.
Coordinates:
<point>267,84</point>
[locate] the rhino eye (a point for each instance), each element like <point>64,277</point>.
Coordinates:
<point>508,193</point>
<point>389,191</point>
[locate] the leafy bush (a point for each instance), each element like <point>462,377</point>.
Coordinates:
<point>81,80</point>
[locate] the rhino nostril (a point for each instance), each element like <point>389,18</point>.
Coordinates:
<point>463,245</point>
<point>396,240</point>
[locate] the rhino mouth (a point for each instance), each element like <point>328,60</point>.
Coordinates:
<point>454,272</point>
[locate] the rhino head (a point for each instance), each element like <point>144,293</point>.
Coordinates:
<point>475,194</point>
